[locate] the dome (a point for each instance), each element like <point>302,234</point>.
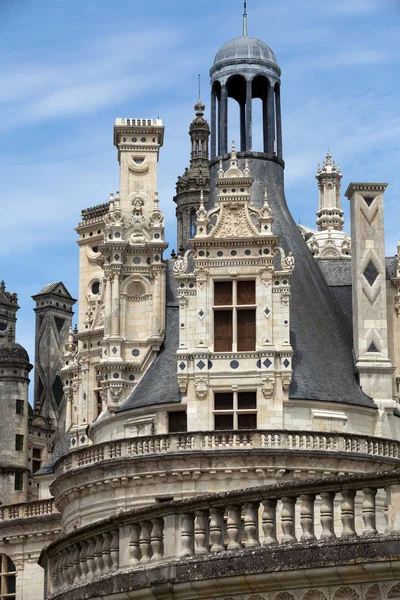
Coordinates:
<point>245,48</point>
<point>12,351</point>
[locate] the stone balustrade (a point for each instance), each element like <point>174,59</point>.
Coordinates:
<point>37,508</point>
<point>261,518</point>
<point>215,441</point>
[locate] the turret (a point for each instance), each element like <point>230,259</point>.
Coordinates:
<point>196,178</point>
<point>8,312</point>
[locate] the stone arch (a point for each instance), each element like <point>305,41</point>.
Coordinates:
<point>374,593</point>
<point>284,596</point>
<point>393,594</point>
<point>215,117</point>
<point>255,597</point>
<point>314,595</point>
<point>136,286</point>
<point>346,593</point>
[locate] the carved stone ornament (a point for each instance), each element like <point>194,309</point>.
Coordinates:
<point>201,276</point>
<point>183,383</point>
<point>266,275</point>
<point>268,385</point>
<point>115,393</point>
<point>287,262</point>
<point>286,381</point>
<point>181,263</point>
<point>201,386</point>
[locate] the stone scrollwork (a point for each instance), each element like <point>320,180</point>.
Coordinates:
<point>201,386</point>
<point>266,275</point>
<point>287,261</point>
<point>181,263</point>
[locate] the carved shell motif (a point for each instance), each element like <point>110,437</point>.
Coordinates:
<point>346,593</point>
<point>314,595</point>
<point>394,593</point>
<point>284,596</point>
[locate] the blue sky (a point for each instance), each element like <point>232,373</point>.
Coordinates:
<point>70,67</point>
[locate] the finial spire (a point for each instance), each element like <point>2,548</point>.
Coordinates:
<point>245,19</point>
<point>199,85</point>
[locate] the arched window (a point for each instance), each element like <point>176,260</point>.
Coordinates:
<point>192,223</point>
<point>8,578</point>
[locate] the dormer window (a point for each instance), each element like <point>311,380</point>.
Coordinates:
<point>234,316</point>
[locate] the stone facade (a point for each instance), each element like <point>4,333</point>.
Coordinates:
<point>214,436</point>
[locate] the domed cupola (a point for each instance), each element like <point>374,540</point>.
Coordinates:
<point>246,68</point>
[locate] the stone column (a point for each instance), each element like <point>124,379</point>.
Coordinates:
<point>213,124</point>
<point>243,127</point>
<point>271,120</point>
<point>107,309</point>
<point>223,124</point>
<point>369,291</point>
<point>115,306</point>
<point>278,121</point>
<point>249,116</point>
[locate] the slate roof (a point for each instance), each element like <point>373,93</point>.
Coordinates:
<point>57,288</point>
<point>61,449</point>
<point>160,384</point>
<point>245,48</point>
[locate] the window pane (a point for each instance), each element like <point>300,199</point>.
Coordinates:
<point>177,421</point>
<point>10,565</point>
<point>18,482</point>
<point>223,401</point>
<point>10,584</point>
<point>222,293</point>
<point>19,442</point>
<point>247,400</point>
<point>247,421</point>
<point>37,453</point>
<point>246,292</point>
<point>223,331</point>
<point>19,407</point>
<point>246,330</point>
<point>36,464</point>
<point>223,421</point>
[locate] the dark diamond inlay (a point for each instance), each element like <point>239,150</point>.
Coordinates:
<point>267,363</point>
<point>371,273</point>
<point>114,350</point>
<point>182,366</point>
<point>286,363</point>
<point>201,365</point>
<point>82,440</point>
<point>201,313</point>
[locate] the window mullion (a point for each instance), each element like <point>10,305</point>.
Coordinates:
<point>234,316</point>
<point>235,410</point>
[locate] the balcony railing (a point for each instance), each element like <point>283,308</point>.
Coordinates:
<point>262,518</point>
<point>37,508</point>
<point>214,441</point>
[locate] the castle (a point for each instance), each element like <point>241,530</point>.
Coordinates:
<point>224,423</point>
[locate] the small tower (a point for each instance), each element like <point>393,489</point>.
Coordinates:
<point>53,321</point>
<point>8,312</point>
<point>330,242</point>
<point>14,381</point>
<point>196,178</point>
<point>330,214</point>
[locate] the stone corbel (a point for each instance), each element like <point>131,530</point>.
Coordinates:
<point>183,383</point>
<point>286,381</point>
<point>201,385</point>
<point>268,386</point>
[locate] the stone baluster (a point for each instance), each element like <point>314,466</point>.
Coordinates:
<point>233,525</point>
<point>144,541</point>
<point>55,571</point>
<point>269,522</point>
<point>251,524</point>
<point>157,538</point>
<point>369,511</point>
<point>386,508</point>
<point>61,569</point>
<point>77,567</point>
<point>71,565</point>
<point>216,529</point>
<point>114,550</point>
<point>307,517</point>
<point>288,519</point>
<point>348,513</point>
<point>90,558</point>
<point>134,550</point>
<point>201,532</point>
<point>327,515</point>
<point>187,534</point>
<point>106,552</point>
<point>83,561</point>
<point>98,558</point>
